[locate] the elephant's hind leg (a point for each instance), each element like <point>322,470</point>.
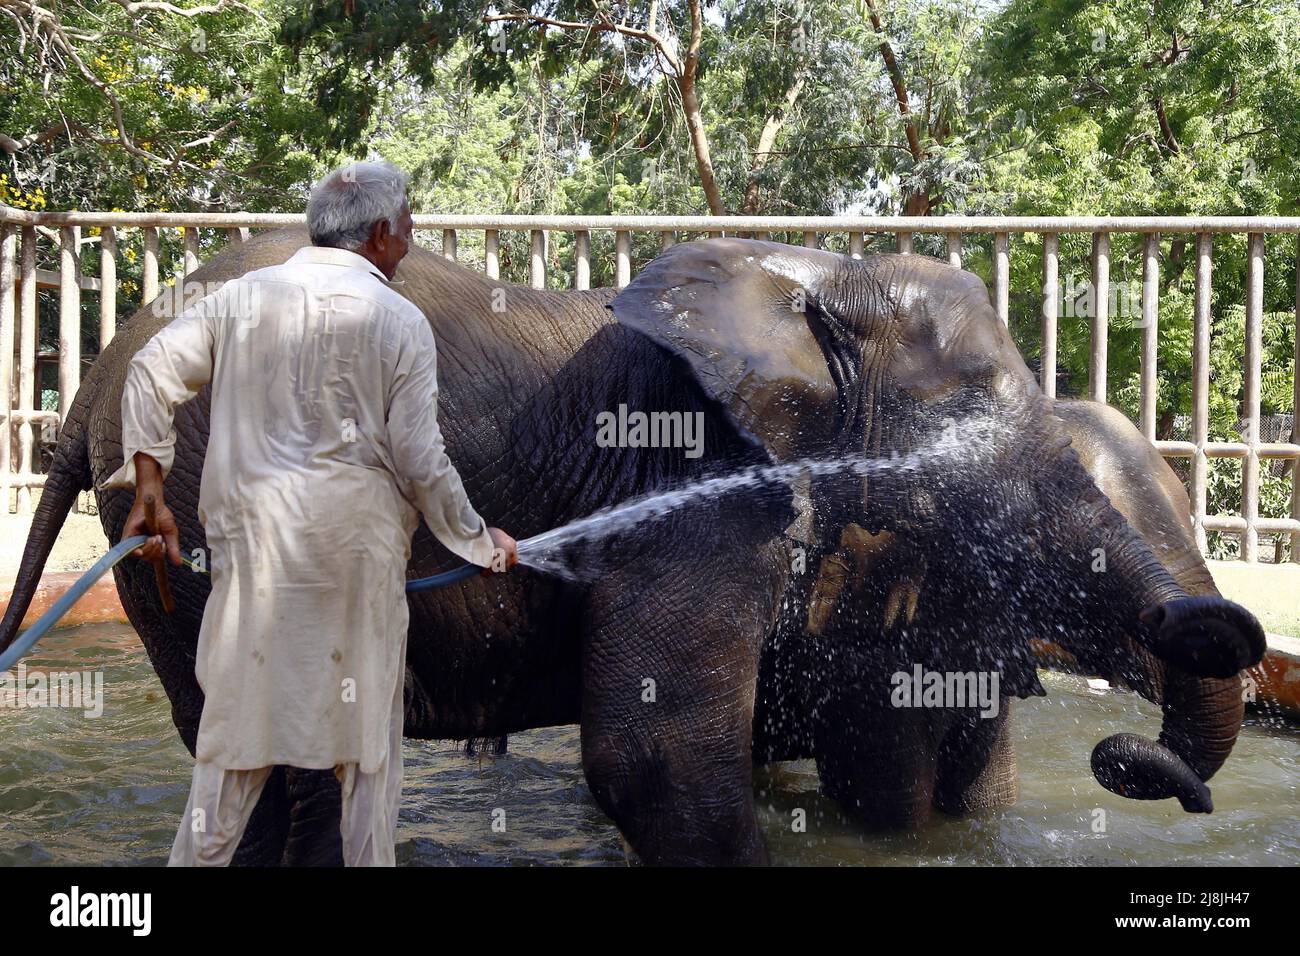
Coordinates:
<point>977,765</point>
<point>667,713</point>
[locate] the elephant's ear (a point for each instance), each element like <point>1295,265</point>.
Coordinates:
<point>749,320</point>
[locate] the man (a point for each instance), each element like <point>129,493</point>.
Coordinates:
<point>323,446</point>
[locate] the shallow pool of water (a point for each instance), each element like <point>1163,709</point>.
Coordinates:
<point>109,790</point>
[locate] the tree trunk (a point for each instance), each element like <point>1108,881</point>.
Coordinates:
<point>700,143</point>
<point>694,122</point>
<point>767,140</point>
<point>915,204</point>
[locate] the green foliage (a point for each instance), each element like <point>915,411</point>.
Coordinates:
<point>840,143</point>
<point>1045,107</point>
<point>207,119</point>
<point>1223,491</point>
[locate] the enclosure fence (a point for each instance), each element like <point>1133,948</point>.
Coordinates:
<point>68,238</point>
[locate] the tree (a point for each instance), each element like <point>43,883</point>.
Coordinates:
<point>780,105</point>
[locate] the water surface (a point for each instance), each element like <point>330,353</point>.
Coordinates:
<point>110,790</point>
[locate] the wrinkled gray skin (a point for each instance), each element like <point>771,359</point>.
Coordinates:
<point>887,352</point>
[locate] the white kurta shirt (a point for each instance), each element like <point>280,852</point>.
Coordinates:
<point>323,445</point>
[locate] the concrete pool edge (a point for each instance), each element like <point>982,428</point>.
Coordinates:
<point>99,605</point>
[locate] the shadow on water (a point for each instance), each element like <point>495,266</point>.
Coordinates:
<point>110,790</point>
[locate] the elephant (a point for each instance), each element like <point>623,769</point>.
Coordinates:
<point>671,646</point>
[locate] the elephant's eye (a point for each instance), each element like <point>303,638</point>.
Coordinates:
<point>839,348</point>
<point>977,370</point>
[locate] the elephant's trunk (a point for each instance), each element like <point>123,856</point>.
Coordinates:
<point>1207,636</point>
<point>1202,714</point>
<point>1196,643</point>
<point>1143,769</point>
<point>1202,718</point>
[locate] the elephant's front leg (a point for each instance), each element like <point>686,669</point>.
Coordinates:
<point>296,821</point>
<point>977,764</point>
<point>669,669</point>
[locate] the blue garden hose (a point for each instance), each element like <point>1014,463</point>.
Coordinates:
<point>442,580</point>
<point>28,638</point>
<point>23,643</point>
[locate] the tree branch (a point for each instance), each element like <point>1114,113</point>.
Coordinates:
<point>1166,131</point>
<point>598,26</point>
<point>160,7</point>
<point>896,79</point>
<point>767,139</point>
<point>11,145</point>
<point>681,70</point>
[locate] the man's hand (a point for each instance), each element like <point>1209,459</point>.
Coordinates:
<point>506,551</point>
<point>167,542</point>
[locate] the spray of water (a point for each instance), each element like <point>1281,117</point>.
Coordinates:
<point>546,551</point>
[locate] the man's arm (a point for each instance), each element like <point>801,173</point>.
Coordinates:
<point>169,370</point>
<point>420,457</point>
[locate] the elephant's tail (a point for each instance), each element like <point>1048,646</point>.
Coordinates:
<point>69,475</point>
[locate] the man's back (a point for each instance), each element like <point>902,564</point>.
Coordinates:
<point>305,356</point>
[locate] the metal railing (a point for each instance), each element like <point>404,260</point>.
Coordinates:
<point>20,279</point>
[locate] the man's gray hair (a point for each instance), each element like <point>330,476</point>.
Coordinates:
<point>349,201</point>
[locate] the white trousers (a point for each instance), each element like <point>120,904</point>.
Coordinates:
<point>221,801</point>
